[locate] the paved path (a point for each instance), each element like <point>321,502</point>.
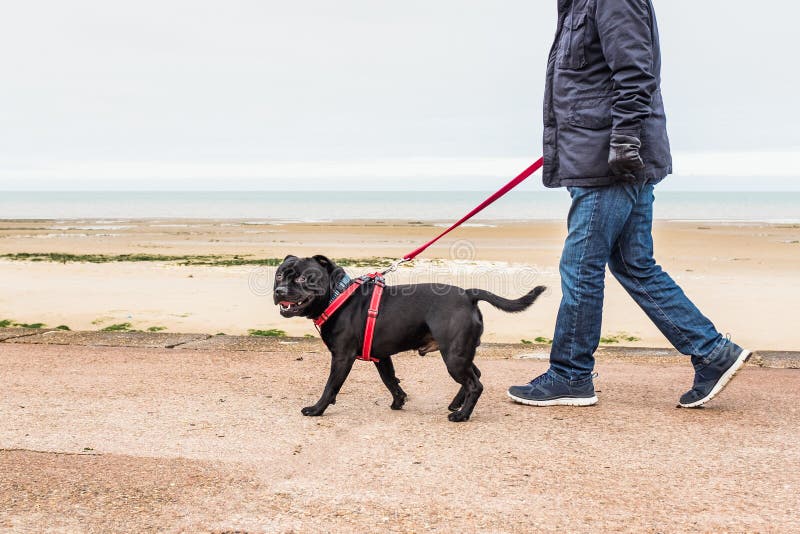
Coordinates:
<point>136,439</point>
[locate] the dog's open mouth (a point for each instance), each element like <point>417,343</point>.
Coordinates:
<point>287,305</point>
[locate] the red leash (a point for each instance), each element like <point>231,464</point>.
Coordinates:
<point>480,207</point>
<point>377,292</point>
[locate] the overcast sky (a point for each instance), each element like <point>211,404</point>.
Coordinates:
<point>197,94</point>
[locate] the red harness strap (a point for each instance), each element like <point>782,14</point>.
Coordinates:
<point>372,313</point>
<point>337,303</point>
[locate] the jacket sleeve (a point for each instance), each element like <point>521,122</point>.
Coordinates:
<point>626,38</point>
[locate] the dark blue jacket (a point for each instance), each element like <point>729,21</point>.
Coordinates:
<point>603,76</point>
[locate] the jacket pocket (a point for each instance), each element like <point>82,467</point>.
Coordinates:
<point>572,49</point>
<point>584,139</point>
<point>592,113</point>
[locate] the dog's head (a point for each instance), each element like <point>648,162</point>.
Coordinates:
<point>303,286</point>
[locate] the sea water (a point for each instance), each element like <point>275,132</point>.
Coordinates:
<point>320,206</point>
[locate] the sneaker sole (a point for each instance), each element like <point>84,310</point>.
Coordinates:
<point>723,381</point>
<point>563,401</point>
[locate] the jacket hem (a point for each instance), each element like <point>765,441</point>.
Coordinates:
<point>588,182</point>
<point>650,175</point>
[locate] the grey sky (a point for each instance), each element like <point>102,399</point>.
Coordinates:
<point>447,93</point>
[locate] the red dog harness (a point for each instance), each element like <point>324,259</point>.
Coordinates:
<point>372,313</point>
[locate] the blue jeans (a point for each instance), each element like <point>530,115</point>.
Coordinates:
<point>613,226</point>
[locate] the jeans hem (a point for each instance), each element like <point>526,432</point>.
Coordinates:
<point>717,348</point>
<point>565,380</point>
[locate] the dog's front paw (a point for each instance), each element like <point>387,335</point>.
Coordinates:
<point>312,411</point>
<point>458,417</point>
<point>398,402</point>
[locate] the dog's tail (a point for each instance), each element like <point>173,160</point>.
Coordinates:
<point>508,305</point>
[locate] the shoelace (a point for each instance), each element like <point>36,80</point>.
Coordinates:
<point>541,378</point>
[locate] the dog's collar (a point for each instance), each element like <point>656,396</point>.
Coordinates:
<point>340,287</point>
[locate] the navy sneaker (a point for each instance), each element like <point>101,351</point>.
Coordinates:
<point>712,374</point>
<point>550,389</point>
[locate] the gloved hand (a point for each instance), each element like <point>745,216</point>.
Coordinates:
<point>623,158</point>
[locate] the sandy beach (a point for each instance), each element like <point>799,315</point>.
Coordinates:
<point>744,276</point>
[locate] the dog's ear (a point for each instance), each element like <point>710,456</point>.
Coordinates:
<point>335,273</point>
<point>327,264</point>
<point>289,257</point>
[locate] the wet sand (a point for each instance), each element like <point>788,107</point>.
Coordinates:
<point>744,276</point>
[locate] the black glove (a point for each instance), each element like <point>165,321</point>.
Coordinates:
<point>623,158</point>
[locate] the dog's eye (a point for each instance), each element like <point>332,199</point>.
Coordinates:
<point>300,279</point>
<point>279,276</point>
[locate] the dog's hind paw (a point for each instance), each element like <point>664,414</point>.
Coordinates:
<point>312,411</point>
<point>458,417</point>
<point>457,402</point>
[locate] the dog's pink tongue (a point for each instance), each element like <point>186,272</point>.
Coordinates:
<point>285,303</point>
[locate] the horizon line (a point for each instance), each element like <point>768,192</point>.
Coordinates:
<point>361,190</point>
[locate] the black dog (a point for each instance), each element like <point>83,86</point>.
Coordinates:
<point>422,317</point>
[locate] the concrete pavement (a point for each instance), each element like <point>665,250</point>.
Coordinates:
<point>207,436</point>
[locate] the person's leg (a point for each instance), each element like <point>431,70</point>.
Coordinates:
<point>633,265</point>
<point>716,359</point>
<point>596,218</point>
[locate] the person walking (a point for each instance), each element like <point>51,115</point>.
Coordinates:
<point>605,140</point>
